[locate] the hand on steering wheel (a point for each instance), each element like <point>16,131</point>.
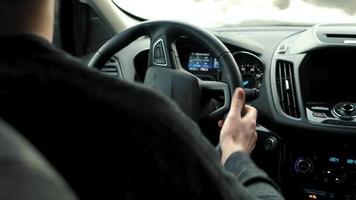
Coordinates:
<point>238,132</point>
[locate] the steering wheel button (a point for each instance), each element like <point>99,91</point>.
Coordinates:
<point>158,52</point>
<point>159,55</point>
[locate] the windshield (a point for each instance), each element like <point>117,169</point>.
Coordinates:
<point>217,13</point>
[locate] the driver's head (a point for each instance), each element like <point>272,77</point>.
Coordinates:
<point>27,16</point>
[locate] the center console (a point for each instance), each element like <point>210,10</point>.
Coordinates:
<point>313,83</point>
<point>320,168</point>
<point>322,171</point>
<point>328,86</point>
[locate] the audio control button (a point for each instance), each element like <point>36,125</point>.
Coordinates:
<point>303,165</point>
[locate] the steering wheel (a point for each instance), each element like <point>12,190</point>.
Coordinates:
<point>165,72</point>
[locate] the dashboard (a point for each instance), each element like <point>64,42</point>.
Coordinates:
<point>199,62</point>
<point>307,102</point>
<point>207,67</point>
<point>313,89</point>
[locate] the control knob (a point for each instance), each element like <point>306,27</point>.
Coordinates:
<point>303,165</point>
<point>344,111</point>
<point>271,143</point>
<point>348,108</point>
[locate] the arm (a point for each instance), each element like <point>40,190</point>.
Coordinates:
<point>254,180</point>
<point>237,140</point>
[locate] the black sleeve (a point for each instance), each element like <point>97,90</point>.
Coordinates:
<point>25,173</point>
<point>251,177</point>
<point>198,165</point>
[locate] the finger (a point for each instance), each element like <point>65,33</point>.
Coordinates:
<point>251,112</point>
<point>221,123</point>
<point>238,102</point>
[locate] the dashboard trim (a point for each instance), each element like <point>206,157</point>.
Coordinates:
<point>296,60</point>
<point>236,53</point>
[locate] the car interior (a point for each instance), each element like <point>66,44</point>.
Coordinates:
<point>298,76</point>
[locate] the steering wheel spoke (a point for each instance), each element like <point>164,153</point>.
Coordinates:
<point>162,52</point>
<point>215,90</point>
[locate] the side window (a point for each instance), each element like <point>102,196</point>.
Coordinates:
<point>97,33</point>
<point>57,38</point>
<point>82,31</point>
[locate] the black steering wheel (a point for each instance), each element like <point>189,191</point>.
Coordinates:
<point>165,73</point>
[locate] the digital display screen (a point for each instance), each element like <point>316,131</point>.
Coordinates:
<point>202,62</point>
<point>327,71</point>
<point>336,160</point>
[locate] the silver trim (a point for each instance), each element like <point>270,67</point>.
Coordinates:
<point>250,54</point>
<point>349,41</point>
<point>337,115</point>
<point>343,107</point>
<point>263,65</point>
<point>282,49</point>
<point>164,53</point>
<point>287,84</point>
<point>318,108</point>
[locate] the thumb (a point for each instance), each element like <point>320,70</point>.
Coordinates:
<point>238,102</point>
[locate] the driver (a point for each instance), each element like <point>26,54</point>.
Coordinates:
<point>109,138</point>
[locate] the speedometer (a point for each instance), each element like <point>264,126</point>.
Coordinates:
<point>251,68</point>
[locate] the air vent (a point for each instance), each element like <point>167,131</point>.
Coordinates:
<point>286,88</point>
<point>336,34</point>
<point>341,36</point>
<point>111,68</point>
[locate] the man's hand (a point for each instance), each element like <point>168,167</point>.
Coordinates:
<point>238,133</point>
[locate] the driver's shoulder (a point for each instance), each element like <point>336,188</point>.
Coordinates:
<point>66,74</point>
<point>132,99</point>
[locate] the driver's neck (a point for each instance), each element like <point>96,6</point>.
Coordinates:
<point>27,17</point>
